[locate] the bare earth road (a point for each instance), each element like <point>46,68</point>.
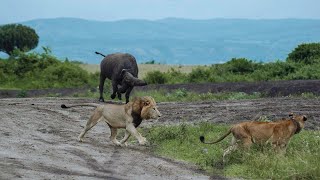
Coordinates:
<point>38,139</point>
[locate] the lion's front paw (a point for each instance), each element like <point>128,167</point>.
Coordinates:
<point>117,143</point>
<point>143,141</point>
<point>80,139</point>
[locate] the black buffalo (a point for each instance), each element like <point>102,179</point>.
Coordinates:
<point>122,70</point>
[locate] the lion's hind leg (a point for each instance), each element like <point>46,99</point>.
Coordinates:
<point>94,119</point>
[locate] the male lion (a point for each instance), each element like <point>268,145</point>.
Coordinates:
<point>277,133</point>
<point>128,116</point>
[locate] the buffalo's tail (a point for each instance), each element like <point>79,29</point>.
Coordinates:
<point>100,54</point>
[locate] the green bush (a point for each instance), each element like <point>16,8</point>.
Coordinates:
<point>65,75</point>
<point>33,71</point>
<point>305,53</point>
<point>306,72</point>
<point>156,77</point>
<point>198,75</point>
<point>172,76</point>
<point>242,70</point>
<point>241,66</point>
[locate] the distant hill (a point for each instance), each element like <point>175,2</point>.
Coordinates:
<point>176,41</point>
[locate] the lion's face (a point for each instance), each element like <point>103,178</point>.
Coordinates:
<point>149,108</point>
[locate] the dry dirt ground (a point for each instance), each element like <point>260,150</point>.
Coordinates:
<point>38,139</point>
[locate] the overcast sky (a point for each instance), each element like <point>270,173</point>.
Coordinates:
<point>109,10</point>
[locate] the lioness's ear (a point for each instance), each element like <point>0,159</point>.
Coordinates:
<point>304,118</point>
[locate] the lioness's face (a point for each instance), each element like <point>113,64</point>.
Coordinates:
<point>149,109</point>
<point>299,118</point>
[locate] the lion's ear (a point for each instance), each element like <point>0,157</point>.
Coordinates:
<point>304,118</point>
<point>146,103</point>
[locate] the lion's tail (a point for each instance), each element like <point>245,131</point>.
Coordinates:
<point>220,139</point>
<point>100,54</point>
<point>77,105</point>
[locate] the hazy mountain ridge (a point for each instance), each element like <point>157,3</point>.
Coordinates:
<point>176,41</point>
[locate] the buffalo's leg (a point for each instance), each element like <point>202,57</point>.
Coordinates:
<point>128,93</point>
<point>114,89</point>
<point>102,79</point>
<point>119,95</point>
<point>122,89</point>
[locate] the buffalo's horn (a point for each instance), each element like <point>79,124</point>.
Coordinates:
<point>130,79</point>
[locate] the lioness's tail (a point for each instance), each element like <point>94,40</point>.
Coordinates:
<point>77,105</point>
<point>100,54</point>
<point>220,139</point>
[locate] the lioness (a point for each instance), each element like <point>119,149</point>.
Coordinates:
<point>277,133</point>
<point>128,116</point>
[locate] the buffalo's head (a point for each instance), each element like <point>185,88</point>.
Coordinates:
<point>129,80</point>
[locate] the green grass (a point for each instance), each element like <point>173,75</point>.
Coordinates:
<point>182,95</point>
<point>179,95</point>
<point>302,160</point>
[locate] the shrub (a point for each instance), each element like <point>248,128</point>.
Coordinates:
<point>198,75</point>
<point>41,71</point>
<point>306,72</point>
<point>241,66</point>
<point>65,75</point>
<point>274,71</point>
<point>156,77</point>
<point>305,53</point>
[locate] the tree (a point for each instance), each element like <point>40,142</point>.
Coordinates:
<point>305,53</point>
<point>18,36</point>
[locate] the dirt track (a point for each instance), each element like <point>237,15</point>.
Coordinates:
<point>38,138</point>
